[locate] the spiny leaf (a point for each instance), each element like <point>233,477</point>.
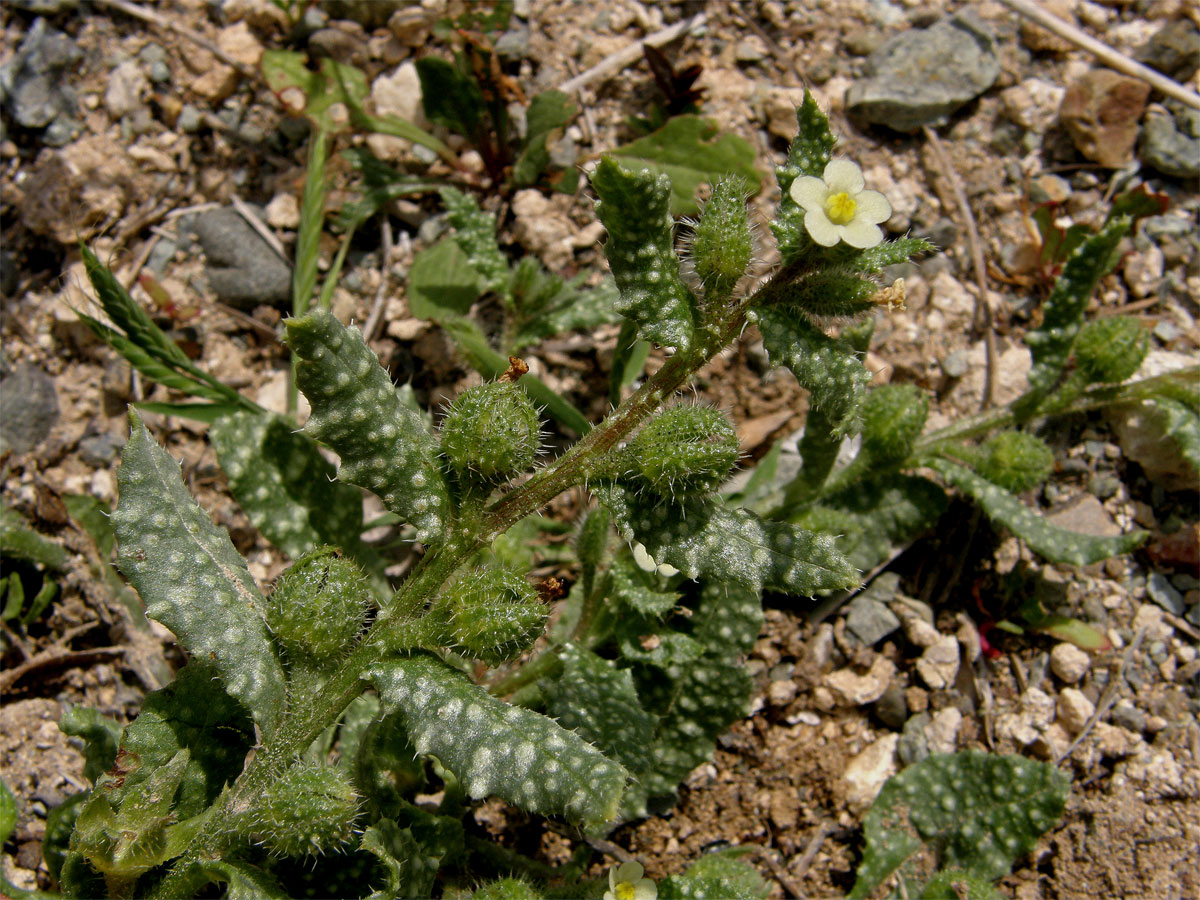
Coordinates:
<point>475,234</point>
<point>827,367</point>
<point>494,748</point>
<point>701,537</point>
<point>1054,543</point>
<point>641,252</point>
<point>808,154</point>
<point>192,579</point>
<point>384,446</point>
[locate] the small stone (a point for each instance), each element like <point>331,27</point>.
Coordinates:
<point>126,83</point>
<point>1144,271</point>
<point>919,77</point>
<point>242,268</point>
<point>942,731</point>
<point>750,50</point>
<point>891,707</point>
<point>1049,189</point>
<point>914,744</point>
<point>948,294</point>
<point>283,211</point>
<point>853,689</point>
<point>100,449</point>
<point>1037,38</point>
<point>1171,141</point>
<point>344,43</point>
<point>1069,663</point>
<point>397,94</point>
<point>869,620</point>
<point>1174,49</point>
<point>190,119</point>
<point>956,364</point>
<point>1074,709</point>
<point>781,693</point>
<point>1101,110</point>
<point>1128,716</point>
<point>938,665</point>
<point>1162,592</point>
<point>920,633</point>
<point>863,41</point>
<point>28,409</point>
<point>1084,513</point>
<point>867,772</point>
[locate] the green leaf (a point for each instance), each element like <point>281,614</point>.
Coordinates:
<point>243,881</point>
<point>411,850</point>
<point>475,234</point>
<point>381,185</point>
<point>808,154</point>
<point>60,823</point>
<point>384,446</point>
<point>18,541</point>
<point>312,220</point>
<point>548,112</point>
<point>1054,543</point>
<point>968,810</point>
<point>702,537</point>
<point>638,590</point>
<point>450,98</point>
<point>101,735</point>
<point>729,618</point>
<point>442,282</point>
<point>544,305</point>
<point>893,418</point>
<point>641,253</point>
<point>1063,312</point>
<point>1181,426</point>
<point>332,84</point>
<point>386,768</point>
<point>191,578</point>
<point>827,367</point>
<point>285,485</point>
<point>824,293</point>
<point>599,703</point>
<point>888,253</point>
<point>690,151</point>
<point>493,748</point>
<point>721,875</point>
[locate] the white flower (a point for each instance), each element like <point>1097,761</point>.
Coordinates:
<point>838,209</point>
<point>625,882</point>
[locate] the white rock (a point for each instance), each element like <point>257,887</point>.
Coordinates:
<point>1069,663</point>
<point>1150,617</point>
<point>1074,709</point>
<point>867,772</point>
<point>920,633</point>
<point>853,689</point>
<point>948,294</point>
<point>283,211</point>
<point>397,94</point>
<point>1159,771</point>
<point>1143,271</point>
<point>938,665</point>
<point>942,732</point>
<point>124,92</point>
<point>1038,706</point>
<point>1033,104</point>
<point>904,196</point>
<point>781,693</point>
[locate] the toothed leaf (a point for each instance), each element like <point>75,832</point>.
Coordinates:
<point>384,445</point>
<point>808,154</point>
<point>192,580</point>
<point>243,881</point>
<point>494,748</point>
<point>475,234</point>
<point>702,537</point>
<point>634,207</point>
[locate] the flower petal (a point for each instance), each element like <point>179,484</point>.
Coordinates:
<point>872,207</point>
<point>820,229</point>
<point>843,175</point>
<point>861,234</point>
<point>809,191</point>
<point>630,871</point>
<point>645,890</point>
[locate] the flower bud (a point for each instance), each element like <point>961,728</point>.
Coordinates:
<point>490,614</point>
<point>318,605</point>
<point>723,243</point>
<point>685,449</point>
<point>1109,350</point>
<point>893,418</point>
<point>309,810</point>
<point>1015,461</point>
<point>491,430</point>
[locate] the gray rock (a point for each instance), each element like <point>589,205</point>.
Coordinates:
<point>1171,142</point>
<point>100,450</point>
<point>1162,592</point>
<point>869,620</point>
<point>190,119</point>
<point>46,7</point>
<point>242,269</point>
<point>956,364</point>
<point>914,745</point>
<point>1128,716</point>
<point>32,85</point>
<point>920,77</point>
<point>62,131</point>
<point>513,45</point>
<point>28,408</point>
<point>1173,49</point>
<point>892,708</point>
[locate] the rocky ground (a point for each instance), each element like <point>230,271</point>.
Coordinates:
<point>129,135</point>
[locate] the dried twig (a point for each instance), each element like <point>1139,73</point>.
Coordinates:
<point>260,227</point>
<point>1108,697</point>
<point>147,15</point>
<point>1103,52</point>
<point>57,655</point>
<point>608,848</point>
<point>779,873</point>
<point>375,318</point>
<point>615,62</point>
<point>811,849</point>
<point>983,310</point>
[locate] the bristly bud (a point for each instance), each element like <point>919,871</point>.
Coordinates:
<point>1015,460</point>
<point>1109,350</point>
<point>723,243</point>
<point>491,430</point>
<point>317,608</point>
<point>490,614</point>
<point>893,419</point>
<point>686,449</point>
<point>309,810</point>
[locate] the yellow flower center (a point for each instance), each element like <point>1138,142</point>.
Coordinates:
<point>840,208</point>
<point>624,890</point>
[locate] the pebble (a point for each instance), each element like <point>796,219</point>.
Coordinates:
<point>126,83</point>
<point>956,364</point>
<point>869,620</point>
<point>1128,716</point>
<point>397,94</point>
<point>1162,592</point>
<point>891,707</point>
<point>853,689</point>
<point>942,731</point>
<point>920,633</point>
<point>28,409</point>
<point>283,211</point>
<point>920,77</point>
<point>242,268</point>
<point>1100,111</point>
<point>100,450</point>
<point>1049,188</point>
<point>1074,709</point>
<point>914,742</point>
<point>750,50</point>
<point>1171,140</point>
<point>36,92</point>
<point>1069,663</point>
<point>867,772</point>
<point>1173,49</point>
<point>1143,271</point>
<point>938,665</point>
<point>781,693</point>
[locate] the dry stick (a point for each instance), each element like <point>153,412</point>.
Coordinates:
<point>375,319</point>
<point>146,15</point>
<point>779,873</point>
<point>260,228</point>
<point>608,848</point>
<point>983,309</point>
<point>1103,52</point>
<point>810,851</point>
<point>1107,698</point>
<point>617,61</point>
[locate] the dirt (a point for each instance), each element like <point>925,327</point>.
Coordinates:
<point>777,783</point>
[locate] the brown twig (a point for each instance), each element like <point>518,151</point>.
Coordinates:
<point>375,317</point>
<point>615,62</point>
<point>260,228</point>
<point>983,310</point>
<point>56,655</point>
<point>1103,52</point>
<point>608,848</point>
<point>812,848</point>
<point>1109,696</point>
<point>146,15</point>
<point>779,873</point>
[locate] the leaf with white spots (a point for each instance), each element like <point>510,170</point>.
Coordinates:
<point>808,154</point>
<point>702,537</point>
<point>1054,543</point>
<point>284,484</point>
<point>497,749</point>
<point>729,618</point>
<point>384,446</point>
<point>971,810</point>
<point>635,208</point>
<point>192,580</point>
